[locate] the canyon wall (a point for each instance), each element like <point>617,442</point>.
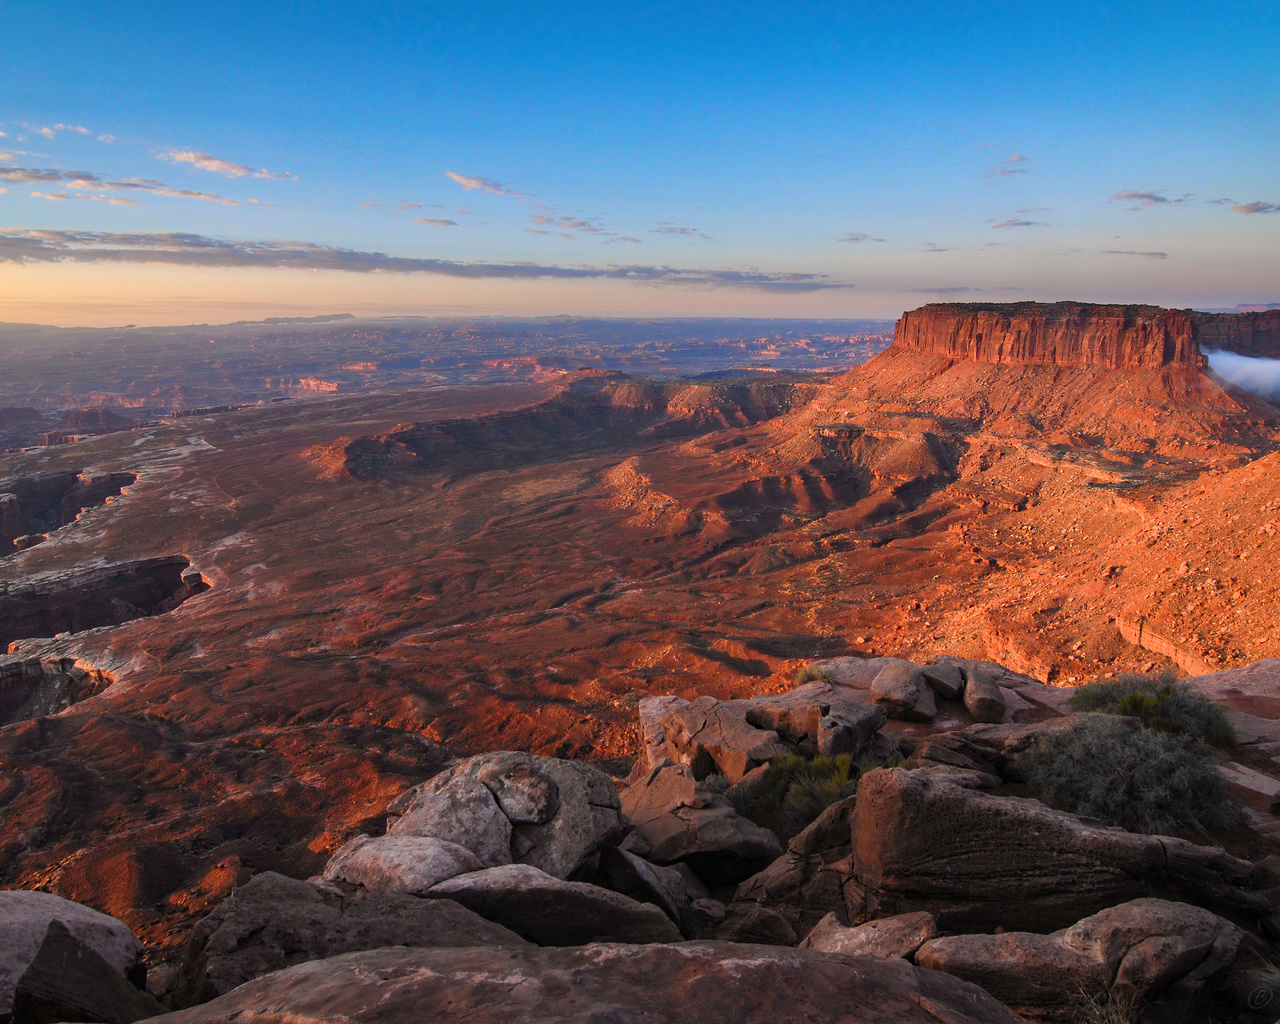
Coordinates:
<point>1083,334</point>
<point>1249,334</point>
<point>1053,334</point>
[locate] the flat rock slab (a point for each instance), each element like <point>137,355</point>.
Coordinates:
<point>553,912</point>
<point>411,864</point>
<point>24,920</point>
<point>688,983</point>
<point>897,936</point>
<point>1251,788</point>
<point>273,922</point>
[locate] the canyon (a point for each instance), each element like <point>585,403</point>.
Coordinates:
<point>373,583</point>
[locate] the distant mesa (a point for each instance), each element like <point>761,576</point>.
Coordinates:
<point>1079,334</point>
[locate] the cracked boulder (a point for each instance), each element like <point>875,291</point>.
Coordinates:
<point>1164,956</point>
<point>411,864</point>
<point>510,807</point>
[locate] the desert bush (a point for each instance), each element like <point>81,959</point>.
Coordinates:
<point>1141,779</point>
<point>809,674</point>
<point>1107,1008</point>
<point>1161,704</point>
<point>741,794</point>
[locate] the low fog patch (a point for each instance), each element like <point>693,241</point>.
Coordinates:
<point>1261,376</point>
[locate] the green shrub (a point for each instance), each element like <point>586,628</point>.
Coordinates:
<point>1161,704</point>
<point>1141,779</point>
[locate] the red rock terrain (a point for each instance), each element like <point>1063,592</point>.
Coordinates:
<point>516,567</point>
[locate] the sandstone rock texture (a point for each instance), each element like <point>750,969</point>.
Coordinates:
<point>930,839</point>
<point>411,864</point>
<point>273,922</point>
<point>553,912</point>
<point>25,918</point>
<point>734,737</point>
<point>1147,951</point>
<point>1254,334</point>
<point>689,983</point>
<point>898,936</point>
<point>68,980</point>
<point>677,819</point>
<point>1053,334</point>
<point>510,807</point>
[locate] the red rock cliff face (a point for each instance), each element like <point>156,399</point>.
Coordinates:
<point>1053,334</point>
<point>1249,334</point>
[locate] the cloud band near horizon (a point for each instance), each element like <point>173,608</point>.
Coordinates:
<point>25,245</point>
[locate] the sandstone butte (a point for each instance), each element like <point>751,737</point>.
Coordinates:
<point>364,586</point>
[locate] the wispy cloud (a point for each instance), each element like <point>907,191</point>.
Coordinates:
<point>62,197</point>
<point>439,223</point>
<point>935,247</point>
<point>859,238</point>
<point>1257,207</point>
<point>1019,224</point>
<point>106,138</point>
<point>1130,252</point>
<point>49,131</point>
<point>944,291</point>
<point>89,180</point>
<point>666,227</point>
<point>225,167</point>
<point>1009,165</point>
<point>402,204</point>
<point>25,246</point>
<point>473,183</point>
<point>1143,200</point>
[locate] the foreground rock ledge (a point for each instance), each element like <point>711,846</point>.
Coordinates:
<point>687,983</point>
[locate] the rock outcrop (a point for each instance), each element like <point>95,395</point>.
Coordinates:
<point>689,983</point>
<point>1143,952</point>
<point>274,922</point>
<point>898,936</point>
<point>931,839</point>
<point>510,807</point>
<point>1074,334</point>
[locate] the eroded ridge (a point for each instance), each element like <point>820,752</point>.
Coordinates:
<point>32,507</point>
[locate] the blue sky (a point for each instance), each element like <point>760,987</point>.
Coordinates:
<point>635,159</point>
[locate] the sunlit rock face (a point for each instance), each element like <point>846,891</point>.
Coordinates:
<point>1053,334</point>
<point>1248,334</point>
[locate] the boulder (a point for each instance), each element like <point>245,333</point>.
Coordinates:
<point>816,719</point>
<point>511,807</point>
<point>1147,951</point>
<point>983,698</point>
<point>753,922</point>
<point>67,980</point>
<point>932,839</point>
<point>900,688</point>
<point>898,936</point>
<point>399,863</point>
<point>956,751</point>
<point>689,983</point>
<point>24,921</point>
<point>1015,738</point>
<point>714,737</point>
<point>947,681</point>
<point>273,922</point>
<point>654,748</point>
<point>814,877</point>
<point>644,882</point>
<point>851,672</point>
<point>552,912</point>
<point>676,819</point>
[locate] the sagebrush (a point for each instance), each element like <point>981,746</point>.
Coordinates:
<point>1161,704</point>
<point>1140,779</point>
